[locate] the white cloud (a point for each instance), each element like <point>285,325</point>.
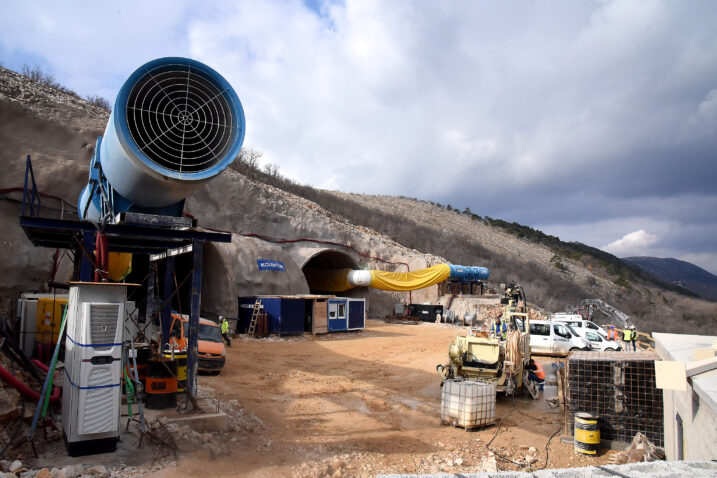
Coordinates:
<point>633,244</point>
<point>468,103</point>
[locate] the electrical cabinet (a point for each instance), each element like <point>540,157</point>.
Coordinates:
<point>93,366</point>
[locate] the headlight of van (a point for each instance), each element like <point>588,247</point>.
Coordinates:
<point>224,352</point>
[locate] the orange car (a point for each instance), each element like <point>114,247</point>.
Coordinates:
<point>211,350</point>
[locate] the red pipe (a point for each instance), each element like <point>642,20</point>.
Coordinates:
<point>101,257</point>
<point>42,366</point>
<point>24,389</point>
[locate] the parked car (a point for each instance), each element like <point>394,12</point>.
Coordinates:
<point>555,338</point>
<point>579,324</point>
<point>598,342</point>
<point>210,344</point>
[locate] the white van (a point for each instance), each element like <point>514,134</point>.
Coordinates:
<point>598,342</point>
<point>579,324</point>
<point>555,338</point>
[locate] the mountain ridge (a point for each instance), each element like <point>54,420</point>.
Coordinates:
<point>685,274</point>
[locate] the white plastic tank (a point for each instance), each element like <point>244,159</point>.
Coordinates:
<point>468,403</point>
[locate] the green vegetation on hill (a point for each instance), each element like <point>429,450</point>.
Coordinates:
<point>455,247</point>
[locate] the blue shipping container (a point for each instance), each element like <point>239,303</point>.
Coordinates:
<point>285,315</point>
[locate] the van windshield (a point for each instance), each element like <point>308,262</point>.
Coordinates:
<point>210,333</point>
<point>572,330</point>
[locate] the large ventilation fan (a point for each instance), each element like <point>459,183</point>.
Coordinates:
<point>180,118</point>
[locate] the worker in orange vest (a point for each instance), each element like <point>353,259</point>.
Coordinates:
<point>612,333</point>
<point>536,374</point>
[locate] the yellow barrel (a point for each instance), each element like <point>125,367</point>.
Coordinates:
<point>181,359</point>
<point>587,434</point>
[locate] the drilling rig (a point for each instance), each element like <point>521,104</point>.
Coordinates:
<point>483,356</point>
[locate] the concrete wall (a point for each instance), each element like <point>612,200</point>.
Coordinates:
<point>699,426</point>
<point>699,420</point>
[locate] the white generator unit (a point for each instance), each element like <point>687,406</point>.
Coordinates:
<point>27,307</point>
<point>93,367</point>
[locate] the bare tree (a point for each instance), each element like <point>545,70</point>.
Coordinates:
<point>98,101</point>
<point>271,169</point>
<point>250,157</point>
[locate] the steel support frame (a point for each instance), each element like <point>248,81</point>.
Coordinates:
<point>195,304</point>
<point>87,271</point>
<point>150,302</point>
<point>166,320</point>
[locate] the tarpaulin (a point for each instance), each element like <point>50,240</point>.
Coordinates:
<point>405,281</point>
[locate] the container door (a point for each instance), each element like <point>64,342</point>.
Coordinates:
<point>319,322</point>
<point>272,306</point>
<point>337,315</point>
<point>292,316</point>
<point>356,314</point>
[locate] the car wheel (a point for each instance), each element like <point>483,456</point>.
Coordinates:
<point>574,349</point>
<point>609,350</point>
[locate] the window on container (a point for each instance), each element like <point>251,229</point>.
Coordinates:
<point>332,311</point>
<point>342,310</point>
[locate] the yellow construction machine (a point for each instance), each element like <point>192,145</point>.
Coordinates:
<point>483,356</point>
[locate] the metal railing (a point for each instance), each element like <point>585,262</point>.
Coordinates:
<point>30,197</point>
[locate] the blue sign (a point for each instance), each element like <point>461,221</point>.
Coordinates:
<point>266,265</point>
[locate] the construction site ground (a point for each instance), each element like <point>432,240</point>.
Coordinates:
<point>362,403</point>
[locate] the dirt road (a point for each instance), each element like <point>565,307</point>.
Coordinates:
<point>362,403</point>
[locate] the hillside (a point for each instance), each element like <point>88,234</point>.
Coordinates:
<point>682,273</point>
<point>59,130</point>
<point>555,274</point>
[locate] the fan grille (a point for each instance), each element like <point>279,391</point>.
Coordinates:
<point>180,118</point>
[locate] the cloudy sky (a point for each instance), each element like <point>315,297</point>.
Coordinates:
<point>592,121</point>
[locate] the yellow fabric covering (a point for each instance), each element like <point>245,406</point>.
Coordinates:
<point>404,281</point>
<point>336,280</point>
<point>328,280</point>
<point>120,265</point>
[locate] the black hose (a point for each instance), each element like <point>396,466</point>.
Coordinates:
<point>16,354</point>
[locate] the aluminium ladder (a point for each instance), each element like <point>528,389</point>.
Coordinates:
<point>254,317</point>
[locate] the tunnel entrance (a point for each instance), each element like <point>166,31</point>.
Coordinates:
<point>325,262</point>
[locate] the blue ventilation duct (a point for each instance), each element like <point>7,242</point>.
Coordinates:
<point>176,124</point>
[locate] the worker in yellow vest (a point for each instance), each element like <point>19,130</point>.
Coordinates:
<point>499,329</point>
<point>225,330</point>
<point>633,338</point>
<point>627,338</point>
